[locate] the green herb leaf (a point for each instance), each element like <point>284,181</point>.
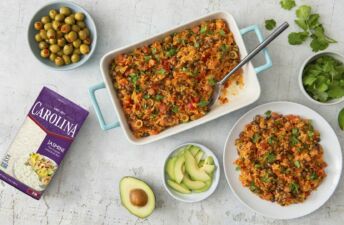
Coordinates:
<point>297,38</point>
<point>297,164</point>
<point>212,81</point>
<point>294,188</point>
<point>266,178</point>
<point>295,132</point>
<point>303,12</point>
<point>161,71</point>
<point>293,141</point>
<point>287,4</point>
<point>270,157</point>
<point>175,109</point>
<point>203,29</point>
<point>222,32</point>
<point>268,114</point>
<point>146,96</point>
<point>133,78</point>
<point>256,137</point>
<point>313,176</point>
<point>341,119</point>
<point>202,103</point>
<point>159,97</point>
<point>270,24</point>
<point>253,187</point>
<point>272,140</point>
<point>171,52</point>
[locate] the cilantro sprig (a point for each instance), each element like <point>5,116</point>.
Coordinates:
<point>309,23</point>
<point>287,4</point>
<point>270,24</point>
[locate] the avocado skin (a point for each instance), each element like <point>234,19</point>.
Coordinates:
<point>151,196</point>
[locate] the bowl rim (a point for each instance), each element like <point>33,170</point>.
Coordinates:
<point>305,63</point>
<point>94,34</point>
<point>215,182</point>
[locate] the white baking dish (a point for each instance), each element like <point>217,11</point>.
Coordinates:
<point>247,95</point>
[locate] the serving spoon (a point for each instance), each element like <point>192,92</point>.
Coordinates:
<point>248,58</point>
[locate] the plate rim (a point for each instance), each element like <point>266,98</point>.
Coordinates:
<point>228,180</point>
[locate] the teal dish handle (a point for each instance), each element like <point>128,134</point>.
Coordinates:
<point>91,91</point>
<point>268,62</point>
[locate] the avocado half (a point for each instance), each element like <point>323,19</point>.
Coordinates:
<point>137,197</point>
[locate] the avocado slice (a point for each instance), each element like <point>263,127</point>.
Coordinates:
<point>209,169</point>
<point>170,167</point>
<point>199,156</point>
<point>209,160</point>
<point>178,187</point>
<point>193,185</point>
<point>137,197</point>
<point>192,169</point>
<point>201,163</point>
<point>205,188</point>
<point>178,169</point>
<point>194,150</point>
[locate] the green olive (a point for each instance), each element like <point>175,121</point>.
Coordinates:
<point>42,45</point>
<point>59,17</point>
<point>38,37</point>
<point>51,34</point>
<point>66,59</point>
<point>45,19</point>
<point>75,58</point>
<point>77,43</point>
<point>59,34</point>
<point>43,34</point>
<point>52,41</point>
<point>65,11</point>
<point>79,16</point>
<point>59,61</point>
<point>54,48</point>
<point>45,53</point>
<point>75,28</point>
<point>82,34</point>
<point>65,28</point>
<point>48,26</point>
<point>56,25</point>
<point>52,13</point>
<point>69,20</point>
<point>72,36</point>
<point>87,41</point>
<point>87,31</point>
<point>59,53</point>
<point>52,57</point>
<point>38,25</point>
<point>84,49</point>
<point>68,49</point>
<point>77,51</point>
<point>81,24</point>
<point>61,42</point>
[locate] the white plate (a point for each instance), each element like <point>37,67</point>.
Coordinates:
<point>193,197</point>
<point>332,156</point>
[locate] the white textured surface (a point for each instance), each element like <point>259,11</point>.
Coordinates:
<point>85,190</point>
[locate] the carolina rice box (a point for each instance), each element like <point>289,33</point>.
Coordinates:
<point>41,143</point>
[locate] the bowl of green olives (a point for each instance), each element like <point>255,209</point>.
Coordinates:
<point>62,35</point>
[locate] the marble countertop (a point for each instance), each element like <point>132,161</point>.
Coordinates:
<point>85,189</point>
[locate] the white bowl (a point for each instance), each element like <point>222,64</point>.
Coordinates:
<point>335,55</point>
<point>193,197</point>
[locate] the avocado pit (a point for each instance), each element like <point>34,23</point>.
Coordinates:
<point>138,197</point>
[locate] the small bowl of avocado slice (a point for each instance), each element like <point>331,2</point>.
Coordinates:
<point>191,173</point>
<point>137,197</point>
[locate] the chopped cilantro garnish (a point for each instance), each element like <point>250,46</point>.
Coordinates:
<point>222,32</point>
<point>256,137</point>
<point>297,164</point>
<point>314,176</point>
<point>287,4</point>
<point>270,157</point>
<point>202,103</point>
<point>171,52</point>
<point>294,188</point>
<point>175,109</point>
<point>268,114</point>
<point>203,29</point>
<point>270,24</point>
<point>159,97</point>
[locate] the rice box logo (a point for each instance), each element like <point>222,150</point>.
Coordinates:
<point>54,118</point>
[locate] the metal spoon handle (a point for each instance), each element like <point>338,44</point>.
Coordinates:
<point>260,47</point>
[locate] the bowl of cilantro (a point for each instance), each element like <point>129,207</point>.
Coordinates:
<point>321,78</point>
